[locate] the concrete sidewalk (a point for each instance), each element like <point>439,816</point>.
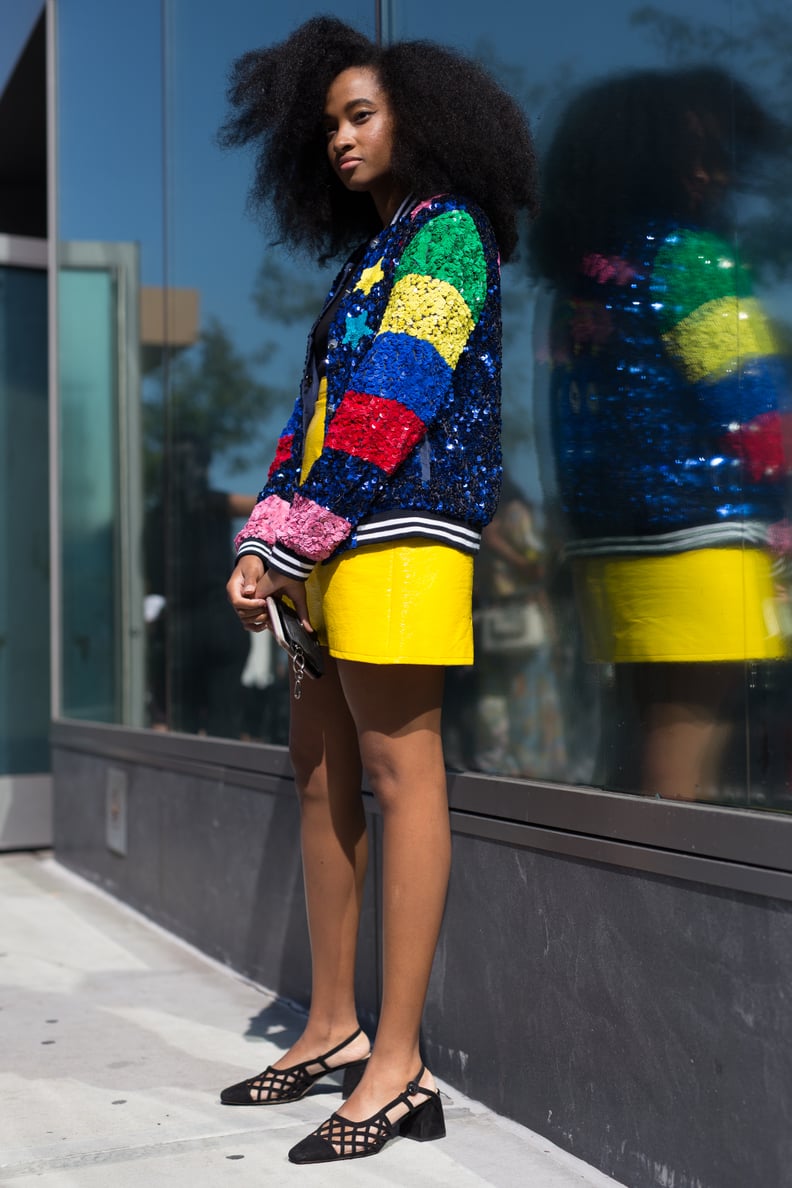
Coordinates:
<point>115,1038</point>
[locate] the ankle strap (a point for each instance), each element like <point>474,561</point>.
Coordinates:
<point>413,1087</point>
<point>324,1057</point>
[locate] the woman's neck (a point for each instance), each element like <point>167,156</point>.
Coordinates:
<point>387,200</point>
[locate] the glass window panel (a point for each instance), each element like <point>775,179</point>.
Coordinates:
<point>24,520</point>
<point>701,710</point>
<point>110,226</point>
<point>88,493</point>
<point>224,332</point>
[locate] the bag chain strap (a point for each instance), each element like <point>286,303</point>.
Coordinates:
<point>298,669</point>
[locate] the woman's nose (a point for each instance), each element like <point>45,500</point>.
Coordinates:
<point>343,138</point>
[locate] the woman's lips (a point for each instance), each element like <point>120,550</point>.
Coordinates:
<point>349,162</point>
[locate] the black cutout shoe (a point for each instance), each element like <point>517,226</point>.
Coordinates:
<point>338,1138</point>
<point>277,1086</point>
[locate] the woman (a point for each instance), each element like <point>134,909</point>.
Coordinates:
<point>666,397</point>
<point>383,479</point>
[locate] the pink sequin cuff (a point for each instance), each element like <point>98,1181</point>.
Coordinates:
<point>265,521</point>
<point>313,531</point>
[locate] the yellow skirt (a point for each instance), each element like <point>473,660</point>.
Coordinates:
<point>704,605</point>
<point>406,603</point>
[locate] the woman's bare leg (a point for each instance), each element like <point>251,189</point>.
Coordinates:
<point>687,731</point>
<point>396,710</point>
<point>324,751</point>
<point>684,746</point>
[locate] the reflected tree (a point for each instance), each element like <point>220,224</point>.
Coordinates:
<point>223,397</point>
<point>213,395</point>
<point>287,294</point>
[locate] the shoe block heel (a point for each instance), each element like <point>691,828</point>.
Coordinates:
<point>426,1123</point>
<point>353,1074</point>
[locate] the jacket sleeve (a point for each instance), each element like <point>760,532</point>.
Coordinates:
<point>404,379</point>
<point>723,343</point>
<point>269,515</point>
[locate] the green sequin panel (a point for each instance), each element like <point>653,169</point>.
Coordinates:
<point>691,269</point>
<point>449,248</point>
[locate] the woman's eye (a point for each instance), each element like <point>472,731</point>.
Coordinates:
<point>361,116</point>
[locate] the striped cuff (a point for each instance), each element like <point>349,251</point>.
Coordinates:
<point>277,557</point>
<point>288,563</point>
<point>254,548</point>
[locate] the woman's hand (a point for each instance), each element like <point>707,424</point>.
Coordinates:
<point>243,594</point>
<point>250,585</point>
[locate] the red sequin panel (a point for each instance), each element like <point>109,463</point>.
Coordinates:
<point>282,454</point>
<point>377,430</point>
<point>759,444</point>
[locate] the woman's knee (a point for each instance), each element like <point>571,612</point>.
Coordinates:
<point>385,784</point>
<point>310,774</point>
<point>398,775</point>
<point>328,778</point>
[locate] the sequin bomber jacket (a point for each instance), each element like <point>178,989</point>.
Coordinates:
<point>412,429</point>
<point>667,395</point>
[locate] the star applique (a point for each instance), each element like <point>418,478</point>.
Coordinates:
<point>356,328</point>
<point>370,276</point>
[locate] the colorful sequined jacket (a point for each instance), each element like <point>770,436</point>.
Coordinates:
<point>412,429</point>
<point>665,394</point>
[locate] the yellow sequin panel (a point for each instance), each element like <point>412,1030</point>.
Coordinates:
<point>718,336</point>
<point>369,277</point>
<point>432,310</point>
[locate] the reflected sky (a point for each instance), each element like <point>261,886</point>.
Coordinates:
<point>110,180</point>
<point>17,18</point>
<point>112,134</point>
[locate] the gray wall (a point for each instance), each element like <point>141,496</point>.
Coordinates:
<point>640,1021</point>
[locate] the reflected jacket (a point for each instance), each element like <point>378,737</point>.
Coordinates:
<point>667,391</point>
<point>412,428</point>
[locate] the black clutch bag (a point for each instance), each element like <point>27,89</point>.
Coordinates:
<point>303,648</point>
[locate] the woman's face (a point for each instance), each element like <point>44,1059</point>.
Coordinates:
<point>359,123</point>
<point>707,177</point>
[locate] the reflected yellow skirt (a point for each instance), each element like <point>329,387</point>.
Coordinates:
<point>705,605</point>
<point>406,603</point>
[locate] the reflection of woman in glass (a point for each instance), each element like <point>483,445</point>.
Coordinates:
<point>664,404</point>
<point>387,472</point>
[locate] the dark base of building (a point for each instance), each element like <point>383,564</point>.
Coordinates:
<point>637,1019</point>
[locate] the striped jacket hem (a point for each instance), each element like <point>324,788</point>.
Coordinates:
<point>708,536</point>
<point>380,529</point>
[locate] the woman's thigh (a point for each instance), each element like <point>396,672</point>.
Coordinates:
<point>395,605</point>
<point>396,710</point>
